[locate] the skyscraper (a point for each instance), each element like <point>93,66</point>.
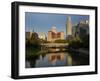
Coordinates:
<point>68,27</point>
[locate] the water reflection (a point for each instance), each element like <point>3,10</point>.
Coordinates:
<point>53,58</point>
<point>56,59</point>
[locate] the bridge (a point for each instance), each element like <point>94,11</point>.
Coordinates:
<point>56,45</point>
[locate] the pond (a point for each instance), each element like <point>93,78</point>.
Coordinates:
<point>57,59</point>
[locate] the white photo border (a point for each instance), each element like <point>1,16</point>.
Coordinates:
<point>55,70</point>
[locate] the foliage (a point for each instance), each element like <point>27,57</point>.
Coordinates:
<point>75,44</point>
<point>85,41</point>
<point>35,43</point>
<point>79,42</point>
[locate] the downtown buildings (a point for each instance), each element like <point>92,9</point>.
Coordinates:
<point>31,35</point>
<point>54,35</point>
<point>82,28</point>
<point>68,27</point>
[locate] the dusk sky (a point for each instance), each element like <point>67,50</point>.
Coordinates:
<point>43,22</point>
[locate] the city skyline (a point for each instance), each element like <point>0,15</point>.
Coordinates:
<point>43,22</point>
<point>55,38</point>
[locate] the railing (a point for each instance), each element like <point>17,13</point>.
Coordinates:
<point>54,44</point>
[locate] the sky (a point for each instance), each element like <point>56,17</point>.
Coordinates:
<point>43,22</point>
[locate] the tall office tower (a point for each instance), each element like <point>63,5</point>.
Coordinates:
<point>68,27</point>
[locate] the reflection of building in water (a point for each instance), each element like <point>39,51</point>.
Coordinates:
<point>69,60</point>
<point>55,57</point>
<point>54,35</point>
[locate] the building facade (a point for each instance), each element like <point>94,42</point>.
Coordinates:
<point>68,27</point>
<point>31,35</point>
<point>54,35</point>
<point>83,28</point>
